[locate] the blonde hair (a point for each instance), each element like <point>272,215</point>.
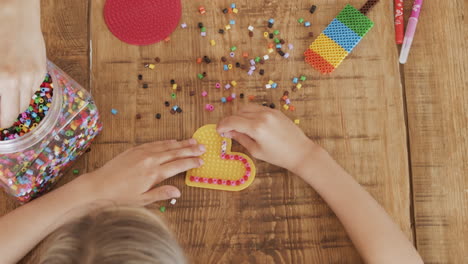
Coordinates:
<point>113,235</point>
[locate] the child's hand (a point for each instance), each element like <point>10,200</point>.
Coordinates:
<point>23,56</point>
<point>268,135</point>
<point>130,177</point>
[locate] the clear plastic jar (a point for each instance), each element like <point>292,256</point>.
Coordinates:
<point>32,163</point>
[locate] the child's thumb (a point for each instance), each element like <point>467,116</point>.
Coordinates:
<point>160,193</point>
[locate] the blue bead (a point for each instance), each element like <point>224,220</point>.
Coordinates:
<point>175,107</point>
<point>226,67</point>
<point>114,111</point>
<point>232,22</point>
<point>271,20</point>
<point>233,5</point>
<point>307,24</point>
<point>223,99</point>
<point>295,80</point>
<point>274,85</point>
<point>278,46</point>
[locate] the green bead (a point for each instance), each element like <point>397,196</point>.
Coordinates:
<point>203,29</point>
<point>300,20</point>
<point>276,32</point>
<point>277,40</point>
<point>303,78</point>
<point>233,48</point>
<point>257,59</point>
<point>173,95</point>
<point>75,171</point>
<point>162,209</point>
<point>200,76</point>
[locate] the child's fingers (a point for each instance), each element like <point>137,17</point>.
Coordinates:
<point>169,145</point>
<point>160,193</point>
<point>187,152</point>
<point>246,141</point>
<point>175,167</point>
<point>238,123</point>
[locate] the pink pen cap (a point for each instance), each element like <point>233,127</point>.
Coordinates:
<point>410,30</point>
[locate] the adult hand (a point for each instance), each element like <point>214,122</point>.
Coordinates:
<point>23,56</point>
<point>268,135</point>
<point>131,176</point>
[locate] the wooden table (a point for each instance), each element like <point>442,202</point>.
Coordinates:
<point>400,130</point>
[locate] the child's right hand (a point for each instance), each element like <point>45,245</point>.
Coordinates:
<point>269,135</point>
<point>130,178</point>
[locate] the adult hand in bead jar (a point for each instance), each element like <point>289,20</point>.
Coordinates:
<point>23,56</point>
<point>268,135</point>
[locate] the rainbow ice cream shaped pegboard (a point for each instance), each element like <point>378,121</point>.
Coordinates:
<point>332,46</point>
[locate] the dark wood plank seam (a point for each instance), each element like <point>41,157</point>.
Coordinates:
<point>408,147</point>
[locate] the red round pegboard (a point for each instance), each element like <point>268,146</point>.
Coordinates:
<point>142,22</point>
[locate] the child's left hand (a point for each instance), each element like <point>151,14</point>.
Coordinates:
<point>131,176</point>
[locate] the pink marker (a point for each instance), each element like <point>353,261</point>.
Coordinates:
<point>410,30</point>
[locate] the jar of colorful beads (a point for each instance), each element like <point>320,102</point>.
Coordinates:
<point>48,137</point>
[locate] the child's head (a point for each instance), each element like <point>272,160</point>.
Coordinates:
<point>113,235</point>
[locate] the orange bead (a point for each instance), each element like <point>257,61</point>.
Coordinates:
<point>292,108</point>
<point>199,60</point>
<point>245,54</point>
<point>251,97</point>
<point>270,45</point>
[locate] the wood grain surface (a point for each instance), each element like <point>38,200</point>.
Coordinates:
<point>399,131</point>
<point>356,113</point>
<point>437,99</point>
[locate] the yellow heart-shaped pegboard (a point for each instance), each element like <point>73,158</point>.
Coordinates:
<point>222,169</point>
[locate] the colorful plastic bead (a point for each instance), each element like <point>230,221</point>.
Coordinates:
<point>307,24</point>
<point>300,20</point>
<point>114,111</point>
<point>303,78</point>
<point>297,121</point>
<point>202,10</point>
<point>209,107</point>
<point>233,83</point>
<point>232,22</point>
<point>223,100</point>
<point>212,42</point>
<point>295,80</point>
<point>204,93</point>
<point>183,25</point>
<point>218,85</point>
